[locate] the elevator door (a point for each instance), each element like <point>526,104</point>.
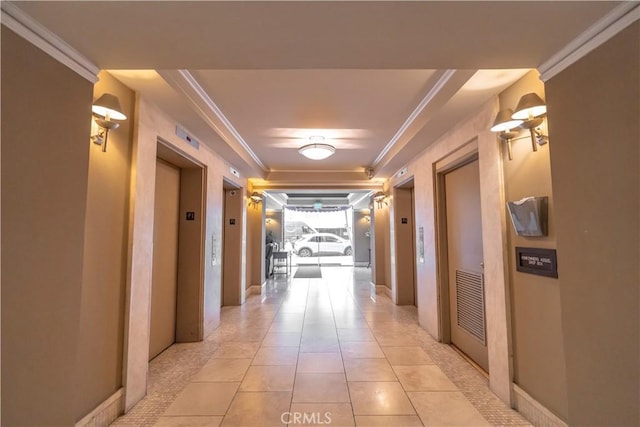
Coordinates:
<point>465,259</point>
<point>165,258</point>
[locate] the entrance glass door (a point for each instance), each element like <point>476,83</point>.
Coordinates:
<point>319,237</point>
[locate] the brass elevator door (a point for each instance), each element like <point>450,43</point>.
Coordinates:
<point>165,258</point>
<point>465,260</point>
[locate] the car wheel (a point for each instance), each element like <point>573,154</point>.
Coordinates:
<point>348,251</point>
<point>305,252</point>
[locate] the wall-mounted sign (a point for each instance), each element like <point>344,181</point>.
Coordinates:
<point>191,216</point>
<point>404,220</point>
<point>188,138</point>
<point>542,262</point>
<point>232,221</point>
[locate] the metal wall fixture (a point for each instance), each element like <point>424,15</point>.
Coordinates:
<point>380,198</point>
<point>530,113</point>
<point>255,199</point>
<point>106,109</point>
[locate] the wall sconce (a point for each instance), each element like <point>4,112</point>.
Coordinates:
<point>380,198</point>
<point>532,110</point>
<point>529,114</point>
<point>505,125</point>
<point>254,199</point>
<point>106,109</point>
<point>268,221</point>
<point>367,218</point>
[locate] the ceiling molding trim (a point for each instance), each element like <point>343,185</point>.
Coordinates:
<point>597,34</point>
<point>220,115</point>
<point>313,185</point>
<point>318,170</point>
<point>187,85</point>
<point>441,83</point>
<point>36,34</point>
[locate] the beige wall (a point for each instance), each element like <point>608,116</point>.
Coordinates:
<point>593,122</point>
<point>275,225</point>
<point>361,236</point>
<point>254,244</point>
<point>539,363</point>
<point>472,134</point>
<point>151,124</point>
<point>105,257</point>
<point>379,244</point>
<point>46,110</point>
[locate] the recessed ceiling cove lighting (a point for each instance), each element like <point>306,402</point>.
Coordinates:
<point>317,150</point>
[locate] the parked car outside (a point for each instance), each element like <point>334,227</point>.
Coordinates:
<point>322,244</point>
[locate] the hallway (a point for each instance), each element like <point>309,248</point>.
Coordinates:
<point>323,351</point>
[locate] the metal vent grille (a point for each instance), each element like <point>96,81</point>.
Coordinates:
<point>470,303</point>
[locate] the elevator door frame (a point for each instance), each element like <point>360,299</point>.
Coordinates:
<point>191,244</point>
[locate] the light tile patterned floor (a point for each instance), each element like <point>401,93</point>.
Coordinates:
<point>317,350</point>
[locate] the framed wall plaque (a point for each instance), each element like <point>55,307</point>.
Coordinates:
<point>542,262</point>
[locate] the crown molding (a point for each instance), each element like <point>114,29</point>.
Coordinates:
<point>441,83</point>
<point>36,34</point>
<point>186,84</point>
<point>597,34</point>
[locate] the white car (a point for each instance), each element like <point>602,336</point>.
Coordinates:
<point>322,244</point>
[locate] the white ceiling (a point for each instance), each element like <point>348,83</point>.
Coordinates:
<point>380,80</point>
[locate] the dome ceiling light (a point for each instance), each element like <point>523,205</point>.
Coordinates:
<point>317,150</point>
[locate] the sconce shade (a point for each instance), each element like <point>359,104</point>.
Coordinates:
<point>317,151</point>
<point>529,106</point>
<point>256,197</point>
<point>504,122</point>
<point>108,105</point>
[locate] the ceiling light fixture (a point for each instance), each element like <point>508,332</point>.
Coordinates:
<point>317,150</point>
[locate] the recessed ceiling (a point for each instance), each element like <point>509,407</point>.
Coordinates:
<point>379,80</point>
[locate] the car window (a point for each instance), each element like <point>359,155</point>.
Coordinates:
<point>330,239</point>
<point>314,239</point>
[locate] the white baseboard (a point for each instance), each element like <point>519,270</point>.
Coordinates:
<point>106,412</point>
<point>383,290</point>
<point>534,411</point>
<point>254,289</point>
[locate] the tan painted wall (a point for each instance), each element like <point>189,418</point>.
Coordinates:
<point>471,132</point>
<point>539,362</point>
<point>361,236</point>
<point>593,122</point>
<point>254,244</point>
<point>379,242</point>
<point>105,258</point>
<point>46,110</point>
<point>151,124</point>
<point>275,225</point>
